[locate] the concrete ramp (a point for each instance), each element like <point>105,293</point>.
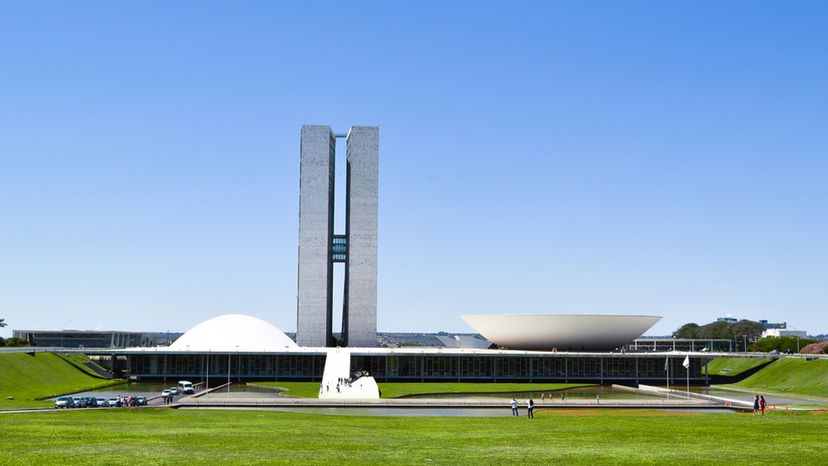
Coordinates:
<point>335,379</point>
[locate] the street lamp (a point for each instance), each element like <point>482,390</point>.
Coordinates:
<point>796,332</point>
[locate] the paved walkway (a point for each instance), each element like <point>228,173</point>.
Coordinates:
<point>453,403</point>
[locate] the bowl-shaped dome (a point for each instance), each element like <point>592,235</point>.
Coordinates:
<point>564,332</point>
<point>233,332</point>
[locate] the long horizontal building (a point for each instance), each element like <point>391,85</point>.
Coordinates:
<point>85,338</point>
<point>244,348</point>
<point>415,364</point>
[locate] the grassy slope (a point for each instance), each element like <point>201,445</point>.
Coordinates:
<point>160,436</point>
<point>399,389</point>
<point>789,375</point>
<point>735,366</point>
<point>29,377</point>
<point>80,361</point>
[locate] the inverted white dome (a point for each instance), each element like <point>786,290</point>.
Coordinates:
<point>565,332</point>
<point>233,332</point>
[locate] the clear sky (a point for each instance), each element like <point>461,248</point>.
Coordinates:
<point>659,157</point>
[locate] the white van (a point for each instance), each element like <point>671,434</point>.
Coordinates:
<point>185,386</point>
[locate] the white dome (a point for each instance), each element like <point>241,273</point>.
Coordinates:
<point>233,332</point>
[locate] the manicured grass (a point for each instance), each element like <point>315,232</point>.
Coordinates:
<point>733,366</point>
<point>29,377</point>
<point>304,389</point>
<point>789,375</point>
<point>80,361</point>
<point>402,389</point>
<point>162,436</point>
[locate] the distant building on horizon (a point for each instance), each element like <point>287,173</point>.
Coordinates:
<point>780,332</point>
<point>320,247</point>
<point>93,338</point>
<point>773,325</point>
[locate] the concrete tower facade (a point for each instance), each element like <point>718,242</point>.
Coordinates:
<point>359,317</point>
<point>320,248</point>
<point>314,308</point>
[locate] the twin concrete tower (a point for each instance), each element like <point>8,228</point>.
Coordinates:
<point>320,247</point>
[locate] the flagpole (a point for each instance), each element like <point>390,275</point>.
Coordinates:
<point>686,365</point>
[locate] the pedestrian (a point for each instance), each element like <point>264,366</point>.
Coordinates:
<point>327,387</point>
<point>598,398</point>
<point>563,397</point>
<point>514,407</point>
<point>542,394</point>
<point>755,405</point>
<point>762,404</point>
<point>531,409</point>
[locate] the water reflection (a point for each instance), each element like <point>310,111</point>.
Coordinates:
<point>571,394</point>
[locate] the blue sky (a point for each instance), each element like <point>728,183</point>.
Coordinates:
<point>663,158</point>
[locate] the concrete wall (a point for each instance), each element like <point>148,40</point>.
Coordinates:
<point>316,208</point>
<point>360,304</point>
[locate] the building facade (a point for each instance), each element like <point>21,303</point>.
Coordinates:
<point>320,247</point>
<point>423,365</point>
<point>85,338</point>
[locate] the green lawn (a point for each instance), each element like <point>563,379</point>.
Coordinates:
<point>401,389</point>
<point>80,361</point>
<point>29,377</point>
<point>163,436</point>
<point>733,366</point>
<point>788,375</point>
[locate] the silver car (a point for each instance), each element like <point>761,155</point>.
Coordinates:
<point>64,402</point>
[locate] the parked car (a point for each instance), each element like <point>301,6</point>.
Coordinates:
<point>101,402</point>
<point>174,390</point>
<point>185,386</point>
<point>141,400</point>
<point>79,403</point>
<point>166,393</point>
<point>113,401</point>
<point>91,402</point>
<point>64,402</point>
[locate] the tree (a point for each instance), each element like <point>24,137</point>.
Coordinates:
<point>687,331</point>
<point>16,342</point>
<point>787,343</point>
<point>718,329</point>
<point>815,348</point>
<point>722,330</point>
<point>753,330</point>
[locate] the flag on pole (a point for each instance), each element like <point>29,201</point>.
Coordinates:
<point>686,362</point>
